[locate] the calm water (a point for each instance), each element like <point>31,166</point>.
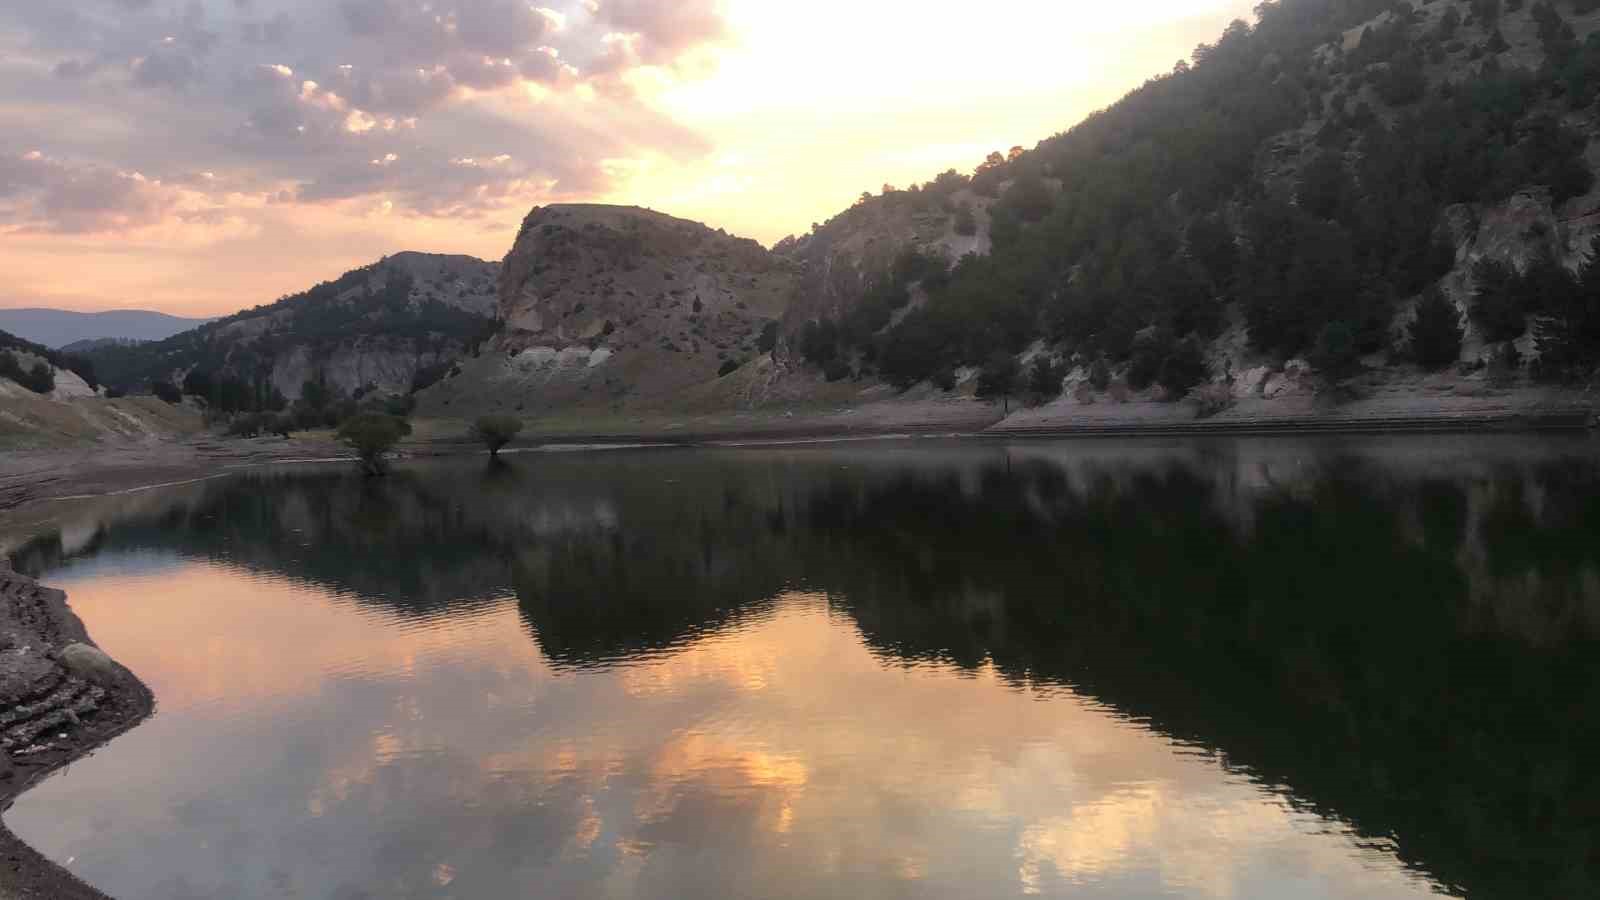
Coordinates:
<point>1274,669</point>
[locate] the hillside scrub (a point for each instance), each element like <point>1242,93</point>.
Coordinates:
<point>231,357</point>
<point>1201,189</point>
<point>10,345</point>
<point>38,378</point>
<point>1435,333</point>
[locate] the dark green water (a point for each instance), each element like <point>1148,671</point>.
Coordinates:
<point>1263,669</point>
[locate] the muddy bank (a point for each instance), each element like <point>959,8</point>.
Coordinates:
<point>60,698</point>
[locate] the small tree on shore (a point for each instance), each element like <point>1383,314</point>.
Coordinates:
<point>999,378</point>
<point>494,432</point>
<point>1044,379</point>
<point>372,436</point>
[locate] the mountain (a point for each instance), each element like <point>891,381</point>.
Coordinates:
<point>1346,197</point>
<point>59,327</point>
<point>88,345</point>
<point>376,331</point>
<point>606,305</point>
<point>1292,195</point>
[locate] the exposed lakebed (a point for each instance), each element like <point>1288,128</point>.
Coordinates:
<point>1344,668</point>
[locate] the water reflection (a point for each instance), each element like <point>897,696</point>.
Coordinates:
<point>1214,669</point>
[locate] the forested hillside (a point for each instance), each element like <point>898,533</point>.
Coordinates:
<point>1308,181</point>
<point>33,366</point>
<point>380,329</point>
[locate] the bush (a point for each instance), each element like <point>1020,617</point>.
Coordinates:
<point>768,341</point>
<point>966,223</point>
<point>248,425</point>
<point>1436,331</point>
<point>1100,375</point>
<point>494,432</point>
<point>1183,368</point>
<point>999,376</point>
<point>836,370</point>
<point>372,436</point>
<point>40,379</point>
<point>727,368</point>
<point>166,391</point>
<point>1336,354</point>
<point>1496,301</point>
<point>1044,379</point>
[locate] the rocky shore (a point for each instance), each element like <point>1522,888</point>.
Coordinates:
<point>60,698</point>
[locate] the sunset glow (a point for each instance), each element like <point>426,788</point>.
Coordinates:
<point>201,157</point>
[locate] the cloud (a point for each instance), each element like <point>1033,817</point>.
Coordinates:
<point>74,68</point>
<point>40,193</point>
<point>664,30</point>
<point>272,32</point>
<point>165,70</point>
<point>294,99</point>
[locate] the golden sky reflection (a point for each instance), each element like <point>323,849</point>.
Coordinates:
<point>307,741</point>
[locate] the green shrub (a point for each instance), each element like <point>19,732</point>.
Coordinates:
<point>247,425</point>
<point>1100,375</point>
<point>494,432</point>
<point>1436,331</point>
<point>1044,379</point>
<point>372,436</point>
<point>1336,354</point>
<point>166,391</point>
<point>999,376</point>
<point>40,379</point>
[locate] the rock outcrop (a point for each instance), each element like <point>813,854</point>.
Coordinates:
<point>605,305</point>
<point>53,681</point>
<point>842,259</point>
<point>60,697</point>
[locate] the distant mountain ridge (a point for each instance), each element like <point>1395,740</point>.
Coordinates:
<point>376,330</point>
<point>56,328</point>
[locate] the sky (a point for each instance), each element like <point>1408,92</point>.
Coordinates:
<point>202,156</point>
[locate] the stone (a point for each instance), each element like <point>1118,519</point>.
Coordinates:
<point>24,673</point>
<point>90,664</point>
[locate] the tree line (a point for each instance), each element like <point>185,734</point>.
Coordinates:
<point>1124,240</point>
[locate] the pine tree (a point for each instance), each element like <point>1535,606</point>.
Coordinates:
<point>1436,331</point>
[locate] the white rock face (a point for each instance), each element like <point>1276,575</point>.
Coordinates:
<point>70,386</point>
<point>384,366</point>
<point>1250,382</point>
<point>1294,380</point>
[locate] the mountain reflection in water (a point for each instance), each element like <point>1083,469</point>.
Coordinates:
<point>1343,669</point>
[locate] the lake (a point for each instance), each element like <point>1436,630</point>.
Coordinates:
<point>1331,668</point>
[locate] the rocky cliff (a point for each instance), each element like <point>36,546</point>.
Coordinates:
<point>841,260</point>
<point>607,306</point>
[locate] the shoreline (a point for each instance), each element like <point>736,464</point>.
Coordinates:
<point>59,708</point>
<point>30,478</point>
